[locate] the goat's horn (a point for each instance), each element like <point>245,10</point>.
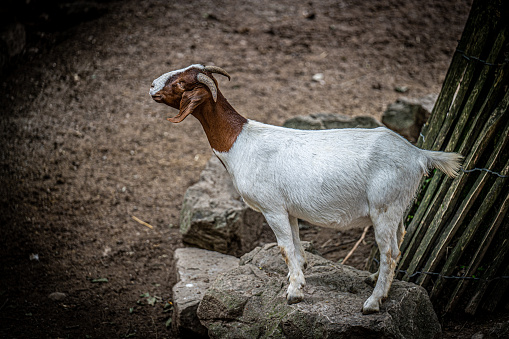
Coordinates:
<point>209,83</point>
<point>219,70</point>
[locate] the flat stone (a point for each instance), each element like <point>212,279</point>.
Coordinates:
<point>195,269</point>
<point>331,121</point>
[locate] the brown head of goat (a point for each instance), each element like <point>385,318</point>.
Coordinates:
<point>193,90</point>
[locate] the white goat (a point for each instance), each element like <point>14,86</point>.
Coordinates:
<point>334,178</point>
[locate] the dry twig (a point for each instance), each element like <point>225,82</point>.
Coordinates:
<point>356,244</point>
<point>142,222</point>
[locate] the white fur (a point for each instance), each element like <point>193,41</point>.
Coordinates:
<point>160,82</point>
<point>340,178</point>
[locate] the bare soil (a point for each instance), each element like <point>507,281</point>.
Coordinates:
<point>84,147</point>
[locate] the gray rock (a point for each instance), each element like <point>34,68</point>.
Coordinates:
<point>249,302</point>
<point>407,116</point>
<point>331,121</point>
<point>214,217</point>
<point>195,270</point>
<point>57,296</point>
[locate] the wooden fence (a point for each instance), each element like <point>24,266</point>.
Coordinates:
<point>457,241</point>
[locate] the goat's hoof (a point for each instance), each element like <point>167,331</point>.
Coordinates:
<point>370,306</point>
<point>294,295</point>
<point>294,299</point>
<point>366,311</point>
<point>305,265</point>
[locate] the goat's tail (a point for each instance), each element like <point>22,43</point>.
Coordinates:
<point>447,162</point>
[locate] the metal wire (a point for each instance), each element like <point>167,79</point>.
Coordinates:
<point>486,170</point>
<point>416,273</point>
<point>470,58</point>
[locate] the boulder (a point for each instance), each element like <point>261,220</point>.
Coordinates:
<point>195,270</point>
<point>249,302</point>
<point>214,217</point>
<point>407,116</point>
<point>331,121</point>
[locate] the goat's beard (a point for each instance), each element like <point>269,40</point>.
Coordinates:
<point>179,117</point>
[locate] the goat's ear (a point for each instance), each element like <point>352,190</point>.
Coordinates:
<point>190,100</point>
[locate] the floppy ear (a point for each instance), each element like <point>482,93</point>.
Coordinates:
<point>190,100</point>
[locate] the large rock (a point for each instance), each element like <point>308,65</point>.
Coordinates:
<point>249,302</point>
<point>214,217</point>
<point>195,269</point>
<point>407,116</point>
<point>331,121</point>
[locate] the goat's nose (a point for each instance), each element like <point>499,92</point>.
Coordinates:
<point>151,91</point>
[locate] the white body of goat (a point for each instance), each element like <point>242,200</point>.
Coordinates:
<point>331,178</point>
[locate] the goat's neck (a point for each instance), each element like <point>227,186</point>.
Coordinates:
<point>221,123</point>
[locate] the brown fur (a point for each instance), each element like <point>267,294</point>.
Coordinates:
<point>221,123</point>
<point>284,254</point>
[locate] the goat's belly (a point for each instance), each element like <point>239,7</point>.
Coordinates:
<point>343,225</point>
<point>336,220</point>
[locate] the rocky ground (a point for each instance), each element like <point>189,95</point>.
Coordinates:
<point>84,147</point>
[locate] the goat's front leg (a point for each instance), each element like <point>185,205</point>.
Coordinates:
<point>280,225</point>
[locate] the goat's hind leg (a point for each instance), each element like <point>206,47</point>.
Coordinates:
<point>280,225</point>
<point>387,236</point>
<point>373,278</point>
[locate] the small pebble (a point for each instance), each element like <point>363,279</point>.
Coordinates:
<point>57,296</point>
<point>401,89</point>
<point>318,77</point>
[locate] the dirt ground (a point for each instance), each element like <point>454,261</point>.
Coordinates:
<point>85,148</point>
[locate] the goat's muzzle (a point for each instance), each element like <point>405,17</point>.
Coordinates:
<point>157,98</point>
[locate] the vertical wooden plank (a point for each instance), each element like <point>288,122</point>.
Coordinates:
<point>467,236</point>
<point>501,252</point>
<point>497,292</point>
<point>478,256</point>
<point>472,41</point>
<point>468,108</point>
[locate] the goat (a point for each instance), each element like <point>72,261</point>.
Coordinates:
<point>341,178</point>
